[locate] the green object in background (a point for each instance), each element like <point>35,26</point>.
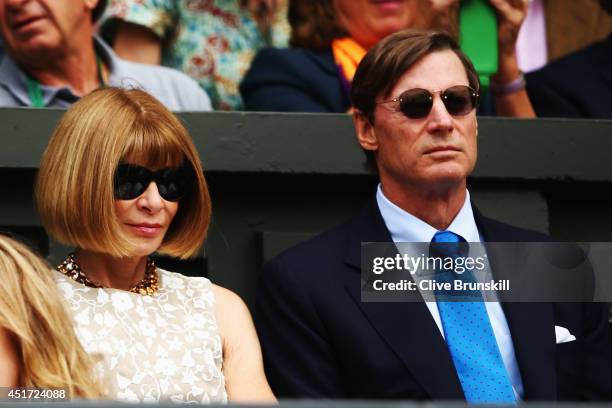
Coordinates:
<point>478,37</point>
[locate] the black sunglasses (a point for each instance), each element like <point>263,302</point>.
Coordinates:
<point>173,183</point>
<point>416,103</point>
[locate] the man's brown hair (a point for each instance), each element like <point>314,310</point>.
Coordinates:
<point>386,62</point>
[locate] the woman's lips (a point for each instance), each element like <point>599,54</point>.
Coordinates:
<point>146,230</point>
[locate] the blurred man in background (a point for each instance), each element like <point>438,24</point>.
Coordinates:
<point>52,58</point>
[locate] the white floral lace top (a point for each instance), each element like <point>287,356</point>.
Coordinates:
<point>151,348</point>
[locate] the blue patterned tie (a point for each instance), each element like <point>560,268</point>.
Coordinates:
<point>468,332</point>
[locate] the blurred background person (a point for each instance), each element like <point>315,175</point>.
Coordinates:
<point>119,191</point>
<point>578,85</point>
<point>329,38</point>
<point>52,58</point>
<point>212,41</point>
<point>531,45</point>
<point>573,25</point>
<point>38,347</point>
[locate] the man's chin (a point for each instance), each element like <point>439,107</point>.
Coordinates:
<point>34,47</point>
<point>444,179</point>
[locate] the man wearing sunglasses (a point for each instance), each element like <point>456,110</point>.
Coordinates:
<point>414,98</point>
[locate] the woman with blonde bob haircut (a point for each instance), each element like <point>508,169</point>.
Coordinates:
<point>119,180</point>
<point>75,185</point>
<point>38,347</point>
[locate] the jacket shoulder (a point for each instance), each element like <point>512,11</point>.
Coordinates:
<point>300,60</point>
<point>561,69</point>
<point>293,80</point>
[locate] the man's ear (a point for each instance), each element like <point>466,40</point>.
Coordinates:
<point>91,4</point>
<point>366,136</point>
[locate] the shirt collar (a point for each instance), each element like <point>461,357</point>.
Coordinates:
<point>106,54</point>
<point>13,79</point>
<point>405,227</point>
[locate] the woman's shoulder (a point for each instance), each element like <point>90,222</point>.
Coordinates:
<point>226,301</point>
<point>169,279</point>
<point>226,298</point>
<point>66,283</point>
<point>294,80</point>
<point>291,59</point>
<point>231,311</point>
<point>295,53</point>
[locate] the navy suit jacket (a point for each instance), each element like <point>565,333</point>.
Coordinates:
<point>320,341</point>
<point>576,86</point>
<point>294,80</point>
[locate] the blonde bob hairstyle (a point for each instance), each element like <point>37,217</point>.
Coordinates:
<point>74,185</point>
<point>32,312</point>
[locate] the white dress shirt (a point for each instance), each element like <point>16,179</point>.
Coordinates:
<point>405,227</point>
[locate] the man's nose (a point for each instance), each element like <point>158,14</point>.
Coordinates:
<point>439,118</point>
<point>14,4</point>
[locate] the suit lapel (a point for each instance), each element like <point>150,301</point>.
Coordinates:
<point>532,329</point>
<point>531,324</point>
<point>407,327</point>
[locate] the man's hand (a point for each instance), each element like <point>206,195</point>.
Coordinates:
<point>510,15</point>
<point>263,13</point>
<point>442,15</point>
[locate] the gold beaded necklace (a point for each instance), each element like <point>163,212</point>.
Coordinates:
<point>149,285</point>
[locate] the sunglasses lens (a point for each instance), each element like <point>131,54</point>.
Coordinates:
<point>459,100</point>
<point>173,183</point>
<point>131,181</point>
<point>416,103</point>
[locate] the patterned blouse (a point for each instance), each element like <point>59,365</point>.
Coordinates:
<point>164,347</point>
<point>213,41</point>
